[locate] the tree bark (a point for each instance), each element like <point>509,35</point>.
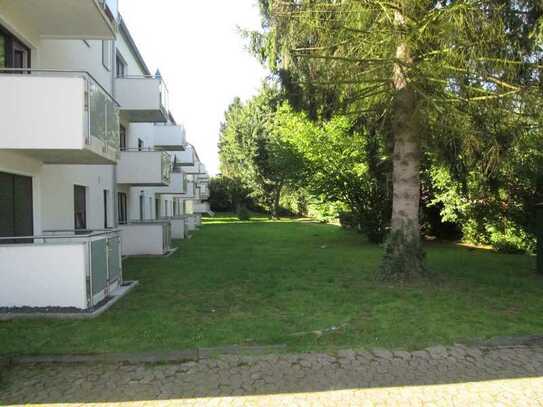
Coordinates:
<point>403,253</point>
<point>276,199</point>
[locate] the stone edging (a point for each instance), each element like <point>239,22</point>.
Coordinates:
<point>189,355</point>
<point>197,354</point>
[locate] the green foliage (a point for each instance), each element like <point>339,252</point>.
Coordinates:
<point>227,194</point>
<point>346,162</point>
<point>472,69</point>
<point>244,214</point>
<point>250,150</point>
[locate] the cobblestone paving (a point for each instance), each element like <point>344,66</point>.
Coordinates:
<point>455,376</point>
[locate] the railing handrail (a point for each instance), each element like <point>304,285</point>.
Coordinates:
<point>141,150</point>
<point>87,75</point>
<point>65,236</point>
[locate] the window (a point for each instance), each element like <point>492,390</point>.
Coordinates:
<point>13,53</point>
<point>120,66</point>
<point>16,210</point>
<point>140,144</point>
<point>106,54</point>
<point>122,137</point>
<point>142,208</point>
<point>122,206</point>
<point>3,52</point>
<point>106,208</point>
<point>80,207</point>
<point>157,208</point>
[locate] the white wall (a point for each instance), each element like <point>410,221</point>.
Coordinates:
<point>141,239</point>
<point>57,194</point>
<point>43,275</point>
<point>75,55</point>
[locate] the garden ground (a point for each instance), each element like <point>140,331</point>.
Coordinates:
<point>299,283</point>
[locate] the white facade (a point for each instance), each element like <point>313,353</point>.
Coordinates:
<point>61,124</point>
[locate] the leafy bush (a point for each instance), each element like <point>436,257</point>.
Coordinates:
<point>244,214</point>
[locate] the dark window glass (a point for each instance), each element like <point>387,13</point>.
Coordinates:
<point>106,204</point>
<point>142,214</point>
<point>122,207</point>
<point>2,51</point>
<point>122,132</point>
<point>16,214</point>
<point>80,207</point>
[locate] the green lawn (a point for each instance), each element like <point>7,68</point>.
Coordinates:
<point>266,282</point>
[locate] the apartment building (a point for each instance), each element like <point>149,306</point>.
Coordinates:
<point>88,168</point>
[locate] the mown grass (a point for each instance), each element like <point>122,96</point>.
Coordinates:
<point>305,284</point>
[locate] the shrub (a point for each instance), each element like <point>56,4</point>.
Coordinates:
<point>244,214</point>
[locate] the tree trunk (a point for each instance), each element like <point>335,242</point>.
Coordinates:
<point>276,199</point>
<point>403,254</point>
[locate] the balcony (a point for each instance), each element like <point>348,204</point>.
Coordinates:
<point>144,168</point>
<point>201,207</point>
<point>163,136</point>
<point>58,117</point>
<point>169,137</point>
<point>142,98</point>
<point>60,269</point>
<point>177,186</point>
<point>63,19</point>
<point>146,238</point>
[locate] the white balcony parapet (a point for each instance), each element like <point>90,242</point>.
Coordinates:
<point>146,237</point>
<point>169,137</point>
<point>201,207</point>
<point>177,186</point>
<point>58,117</point>
<point>72,269</point>
<point>144,168</point>
<point>62,19</point>
<point>142,98</point>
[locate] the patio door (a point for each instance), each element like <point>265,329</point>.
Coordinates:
<point>16,214</point>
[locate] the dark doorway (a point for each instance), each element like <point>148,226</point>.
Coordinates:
<point>16,214</point>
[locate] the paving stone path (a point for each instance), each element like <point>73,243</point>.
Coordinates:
<point>439,376</point>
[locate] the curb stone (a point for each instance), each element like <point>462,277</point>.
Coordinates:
<point>183,356</point>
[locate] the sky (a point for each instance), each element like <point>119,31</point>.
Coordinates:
<point>202,58</point>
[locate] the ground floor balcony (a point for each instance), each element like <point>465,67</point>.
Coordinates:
<point>146,238</point>
<point>58,117</point>
<point>178,226</point>
<point>201,207</point>
<point>144,168</point>
<point>60,269</point>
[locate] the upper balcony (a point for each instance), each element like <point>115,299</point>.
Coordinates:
<point>178,185</point>
<point>142,98</point>
<point>184,158</point>
<point>163,136</point>
<point>62,19</point>
<point>144,168</point>
<point>58,117</point>
<point>169,137</point>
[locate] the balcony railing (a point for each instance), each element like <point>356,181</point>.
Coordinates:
<point>65,268</point>
<point>52,100</point>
